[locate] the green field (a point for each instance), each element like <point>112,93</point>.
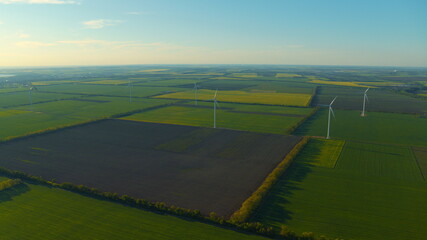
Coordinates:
<point>287,99</point>
<point>421,156</point>
<point>20,121</point>
<point>103,89</point>
<point>38,212</point>
<point>375,192</point>
<point>323,153</point>
<point>203,116</point>
<point>375,127</point>
<point>21,98</point>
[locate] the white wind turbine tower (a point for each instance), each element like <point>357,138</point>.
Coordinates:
<point>215,102</point>
<point>365,99</point>
<point>30,96</point>
<point>195,93</point>
<point>331,111</point>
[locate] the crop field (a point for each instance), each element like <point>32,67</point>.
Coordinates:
<point>108,82</point>
<point>45,83</point>
<point>379,100</point>
<point>169,82</point>
<point>287,75</point>
<point>375,192</point>
<point>50,213</point>
<point>22,98</point>
<point>375,127</point>
<point>245,75</point>
<point>109,90</point>
<point>21,121</point>
<point>147,160</point>
<point>323,153</point>
<point>286,99</point>
<point>255,108</point>
<point>227,84</point>
<point>202,116</point>
<point>283,87</point>
<point>348,84</point>
<point>421,156</point>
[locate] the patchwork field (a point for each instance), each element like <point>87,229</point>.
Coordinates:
<point>238,117</point>
<point>375,192</point>
<point>215,172</point>
<point>49,213</point>
<point>21,121</point>
<point>375,127</point>
<point>421,156</point>
<point>287,99</point>
<point>109,90</point>
<point>379,100</point>
<point>23,98</point>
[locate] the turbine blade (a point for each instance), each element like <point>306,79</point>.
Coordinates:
<point>332,111</point>
<point>216,103</point>
<point>333,101</point>
<point>366,90</point>
<point>215,93</point>
<point>367,99</point>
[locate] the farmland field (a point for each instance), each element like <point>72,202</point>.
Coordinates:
<point>143,161</point>
<point>23,98</point>
<point>379,100</point>
<point>50,213</point>
<point>21,121</point>
<point>371,186</point>
<point>289,99</point>
<point>421,156</point>
<point>110,90</point>
<point>239,119</point>
<point>375,127</point>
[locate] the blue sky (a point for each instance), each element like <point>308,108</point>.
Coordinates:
<point>312,32</point>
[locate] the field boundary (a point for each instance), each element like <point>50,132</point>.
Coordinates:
<point>300,122</point>
<point>251,203</point>
<point>156,207</point>
<point>340,154</point>
<point>418,162</point>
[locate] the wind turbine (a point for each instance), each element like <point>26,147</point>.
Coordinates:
<point>30,96</point>
<point>215,105</point>
<point>331,111</point>
<point>365,99</point>
<point>195,93</point>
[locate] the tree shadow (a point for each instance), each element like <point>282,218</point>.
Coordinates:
<point>275,206</point>
<point>9,193</point>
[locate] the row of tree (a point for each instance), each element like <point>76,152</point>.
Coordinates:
<point>9,183</point>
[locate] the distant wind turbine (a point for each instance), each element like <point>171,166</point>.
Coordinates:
<point>215,102</point>
<point>331,111</point>
<point>30,96</point>
<point>195,93</point>
<point>365,99</point>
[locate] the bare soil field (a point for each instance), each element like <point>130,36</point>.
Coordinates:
<point>213,170</point>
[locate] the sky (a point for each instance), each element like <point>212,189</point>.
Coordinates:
<point>296,32</point>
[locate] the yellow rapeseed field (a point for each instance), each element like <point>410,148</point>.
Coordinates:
<point>287,99</point>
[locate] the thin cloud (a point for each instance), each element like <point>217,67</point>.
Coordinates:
<point>23,35</point>
<point>39,1</point>
<point>29,44</point>
<point>100,23</point>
